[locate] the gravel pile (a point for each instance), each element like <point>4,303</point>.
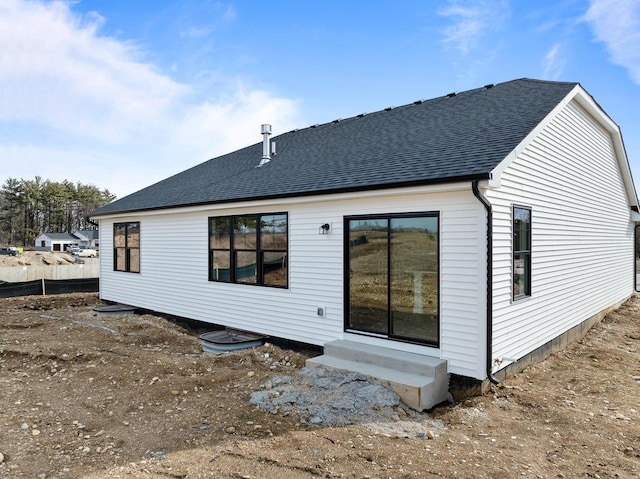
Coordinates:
<point>327,397</point>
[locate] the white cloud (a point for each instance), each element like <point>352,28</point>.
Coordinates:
<point>553,63</point>
<point>471,19</point>
<point>195,32</point>
<point>238,116</point>
<point>80,105</point>
<point>228,12</point>
<point>56,71</point>
<point>211,16</point>
<point>616,23</point>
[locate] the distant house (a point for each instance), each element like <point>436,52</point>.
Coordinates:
<point>62,241</point>
<point>54,241</point>
<point>473,231</point>
<point>87,238</point>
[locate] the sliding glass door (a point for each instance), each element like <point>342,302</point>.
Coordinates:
<point>392,276</point>
<point>368,275</point>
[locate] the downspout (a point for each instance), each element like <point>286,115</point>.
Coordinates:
<point>489,336</point>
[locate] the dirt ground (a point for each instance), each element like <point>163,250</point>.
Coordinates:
<point>101,396</point>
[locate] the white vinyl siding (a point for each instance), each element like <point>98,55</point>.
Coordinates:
<point>581,253</point>
<point>174,276</point>
<point>582,236</point>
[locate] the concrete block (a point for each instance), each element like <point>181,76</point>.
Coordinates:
<point>420,381</point>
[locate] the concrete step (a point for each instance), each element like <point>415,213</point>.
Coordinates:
<point>421,381</point>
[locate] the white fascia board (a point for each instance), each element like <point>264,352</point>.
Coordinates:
<point>586,101</point>
<point>295,200</point>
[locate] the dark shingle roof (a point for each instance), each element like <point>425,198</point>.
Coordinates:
<point>89,234</point>
<point>61,236</point>
<point>450,138</point>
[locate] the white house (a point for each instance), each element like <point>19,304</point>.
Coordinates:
<point>62,241</point>
<point>87,238</point>
<point>54,241</point>
<point>478,231</point>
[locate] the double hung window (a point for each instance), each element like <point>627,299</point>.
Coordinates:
<point>249,249</point>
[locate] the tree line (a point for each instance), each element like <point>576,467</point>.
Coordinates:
<point>31,207</point>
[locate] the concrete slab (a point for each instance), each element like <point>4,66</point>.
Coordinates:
<point>421,381</point>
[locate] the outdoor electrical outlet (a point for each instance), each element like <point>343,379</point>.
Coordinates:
<point>320,311</point>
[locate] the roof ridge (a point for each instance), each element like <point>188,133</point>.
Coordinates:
<point>538,80</point>
<point>420,102</point>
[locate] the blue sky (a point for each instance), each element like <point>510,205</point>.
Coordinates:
<point>121,94</point>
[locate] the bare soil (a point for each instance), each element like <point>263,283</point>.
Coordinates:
<point>94,396</point>
<point>36,258</point>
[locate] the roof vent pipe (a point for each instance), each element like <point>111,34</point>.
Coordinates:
<point>266,156</point>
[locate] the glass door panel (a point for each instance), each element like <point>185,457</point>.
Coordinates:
<point>368,278</point>
<point>414,278</point>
